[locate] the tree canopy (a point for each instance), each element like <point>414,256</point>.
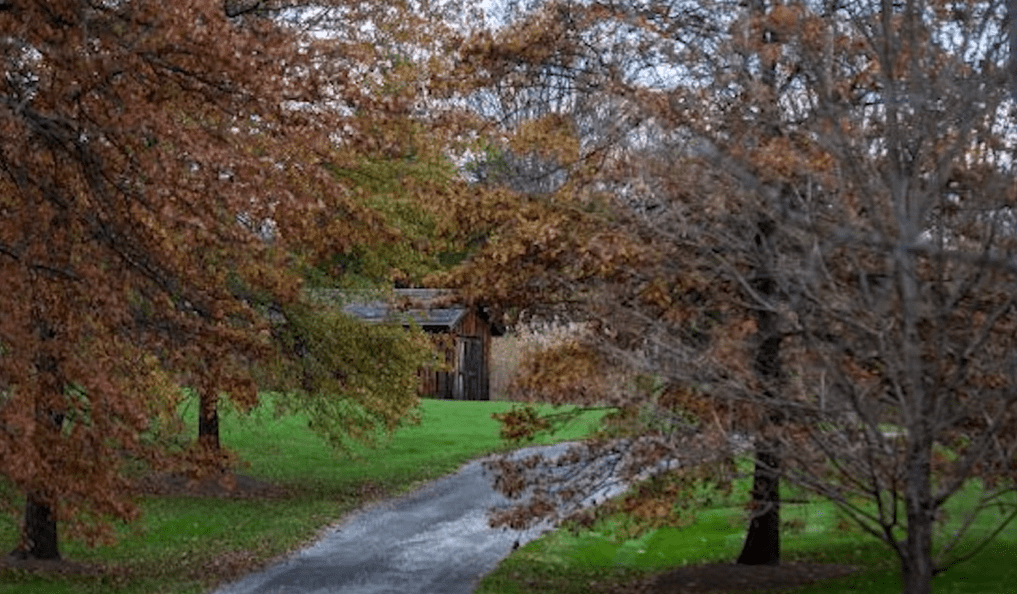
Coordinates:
<point>791,221</point>
<point>799,217</point>
<point>167,178</point>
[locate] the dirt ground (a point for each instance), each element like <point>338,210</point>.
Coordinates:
<point>726,578</point>
<point>58,567</point>
<point>226,485</point>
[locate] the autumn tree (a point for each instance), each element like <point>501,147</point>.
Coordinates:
<point>811,223</point>
<point>167,176</point>
<point>584,132</point>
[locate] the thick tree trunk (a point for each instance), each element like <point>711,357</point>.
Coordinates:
<point>39,534</point>
<point>762,542</point>
<point>208,420</point>
<point>917,567</point>
<point>916,573</point>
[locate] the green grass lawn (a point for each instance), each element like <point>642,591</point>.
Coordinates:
<point>188,544</point>
<point>564,562</point>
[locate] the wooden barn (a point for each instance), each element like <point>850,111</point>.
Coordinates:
<point>462,333</point>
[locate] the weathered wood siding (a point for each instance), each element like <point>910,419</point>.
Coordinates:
<point>467,354</point>
<point>462,337</point>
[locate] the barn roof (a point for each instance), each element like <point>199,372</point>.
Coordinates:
<point>430,308</point>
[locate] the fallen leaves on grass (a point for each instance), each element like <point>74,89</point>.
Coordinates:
<point>57,566</point>
<point>228,565</point>
<point>728,577</point>
<point>237,486</point>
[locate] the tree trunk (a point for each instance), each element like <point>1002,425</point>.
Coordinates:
<point>916,572</point>
<point>762,542</point>
<point>1011,9</point>
<point>39,535</point>
<point>917,567</point>
<point>762,546</point>
<point>208,420</point>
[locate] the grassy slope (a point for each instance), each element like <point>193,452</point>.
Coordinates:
<point>184,544</point>
<point>564,563</point>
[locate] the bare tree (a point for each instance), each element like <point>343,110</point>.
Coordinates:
<point>829,260</point>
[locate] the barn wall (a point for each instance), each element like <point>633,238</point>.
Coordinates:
<point>474,371</point>
<point>467,353</point>
<point>440,383</point>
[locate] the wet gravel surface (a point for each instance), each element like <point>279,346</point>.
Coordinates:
<point>435,540</point>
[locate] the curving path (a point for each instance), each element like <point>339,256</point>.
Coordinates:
<point>434,540</point>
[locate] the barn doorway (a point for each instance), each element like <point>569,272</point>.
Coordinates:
<point>471,370</point>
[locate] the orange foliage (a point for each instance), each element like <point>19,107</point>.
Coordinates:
<point>162,183</point>
<point>808,219</point>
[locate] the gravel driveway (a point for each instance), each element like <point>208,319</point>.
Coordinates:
<point>434,540</point>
